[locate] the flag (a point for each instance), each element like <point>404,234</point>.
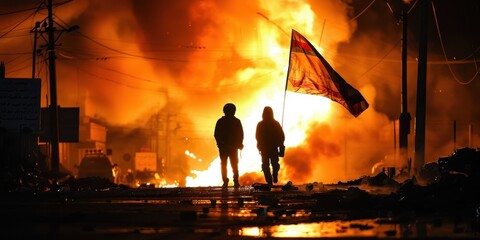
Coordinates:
<point>310,73</point>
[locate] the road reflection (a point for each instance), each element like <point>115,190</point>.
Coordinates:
<point>377,228</point>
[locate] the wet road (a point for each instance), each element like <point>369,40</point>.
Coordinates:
<point>215,213</point>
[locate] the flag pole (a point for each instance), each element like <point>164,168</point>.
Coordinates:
<point>286,82</point>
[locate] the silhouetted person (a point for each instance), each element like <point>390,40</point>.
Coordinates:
<point>229,137</point>
<point>129,177</point>
<point>116,173</point>
<point>270,139</point>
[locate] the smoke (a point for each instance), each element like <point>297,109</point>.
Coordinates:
<point>449,96</point>
<point>131,60</point>
<point>318,148</point>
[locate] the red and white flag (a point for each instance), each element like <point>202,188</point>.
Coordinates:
<point>310,73</point>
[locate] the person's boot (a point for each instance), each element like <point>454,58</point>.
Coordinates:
<point>268,178</point>
<point>275,169</point>
<point>267,174</point>
<point>225,182</point>
<point>236,184</point>
<point>275,177</point>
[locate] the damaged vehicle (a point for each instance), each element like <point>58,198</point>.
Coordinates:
<point>96,164</point>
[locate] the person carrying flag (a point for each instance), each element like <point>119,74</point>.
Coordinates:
<point>270,143</point>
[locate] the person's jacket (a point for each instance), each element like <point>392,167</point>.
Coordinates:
<point>229,133</point>
<point>269,133</point>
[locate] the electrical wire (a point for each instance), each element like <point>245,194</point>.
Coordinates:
<point>139,55</point>
<point>363,11</point>
<point>72,56</point>
<point>146,57</point>
<point>15,53</point>
<point>132,76</point>
<point>376,64</point>
<point>445,54</point>
<point>114,81</point>
<point>22,10</point>
<point>125,53</point>
<point>20,65</point>
<point>470,55</point>
<point>18,24</point>
<point>411,8</point>
<point>156,58</point>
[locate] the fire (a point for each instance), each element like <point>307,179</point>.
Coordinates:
<point>139,63</point>
<point>295,124</point>
<point>295,115</point>
<point>132,61</point>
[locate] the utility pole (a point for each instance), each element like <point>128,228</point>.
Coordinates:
<point>47,26</point>
<point>421,89</point>
<point>34,57</point>
<point>53,91</point>
<point>405,117</point>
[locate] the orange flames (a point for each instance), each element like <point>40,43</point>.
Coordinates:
<point>191,57</point>
<point>296,124</point>
<point>299,113</point>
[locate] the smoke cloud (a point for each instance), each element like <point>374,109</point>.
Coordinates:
<point>131,60</point>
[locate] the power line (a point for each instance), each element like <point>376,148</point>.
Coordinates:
<point>386,54</point>
<point>275,24</point>
<point>126,53</point>
<point>20,11</point>
<point>363,11</point>
<point>18,24</point>
<point>413,6</point>
<point>114,81</point>
<point>21,65</point>
<point>15,53</point>
<point>445,54</point>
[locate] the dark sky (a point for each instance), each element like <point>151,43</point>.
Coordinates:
<point>457,25</point>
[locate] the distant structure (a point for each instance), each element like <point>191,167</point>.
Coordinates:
<point>2,70</point>
<point>19,121</point>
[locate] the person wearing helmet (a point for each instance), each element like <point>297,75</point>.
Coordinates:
<point>229,137</point>
<point>270,139</point>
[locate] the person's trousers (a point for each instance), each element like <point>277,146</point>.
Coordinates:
<point>224,157</point>
<point>266,161</point>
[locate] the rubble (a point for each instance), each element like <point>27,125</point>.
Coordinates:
<point>449,189</point>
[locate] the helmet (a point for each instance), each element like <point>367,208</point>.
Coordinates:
<point>229,109</point>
